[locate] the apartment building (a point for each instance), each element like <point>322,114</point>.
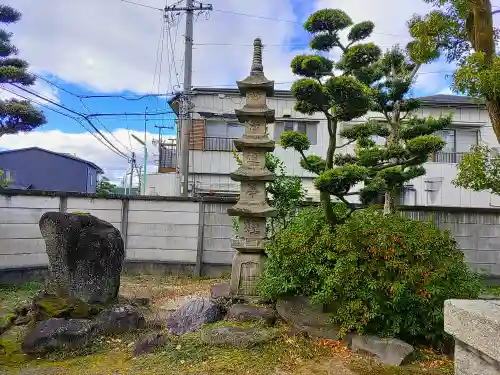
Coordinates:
<point>215,127</point>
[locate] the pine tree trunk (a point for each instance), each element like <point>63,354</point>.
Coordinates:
<point>391,194</point>
<point>326,199</point>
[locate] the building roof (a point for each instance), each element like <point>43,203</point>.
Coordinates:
<point>431,100</point>
<point>64,155</point>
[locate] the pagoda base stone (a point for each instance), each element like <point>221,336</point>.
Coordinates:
<point>246,271</point>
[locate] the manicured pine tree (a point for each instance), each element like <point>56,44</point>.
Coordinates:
<point>344,94</point>
<point>15,115</point>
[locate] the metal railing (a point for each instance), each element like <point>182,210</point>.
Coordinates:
<point>218,144</point>
<point>447,157</point>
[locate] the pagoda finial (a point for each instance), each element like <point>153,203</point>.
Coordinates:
<point>257,66</point>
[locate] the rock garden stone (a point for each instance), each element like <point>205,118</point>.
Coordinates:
<point>192,315</point>
<point>237,337</point>
<point>58,333</point>
<point>150,343</point>
<point>219,291</point>
<point>306,317</point>
<point>247,313</point>
<point>119,319</point>
<point>388,351</point>
<point>85,257</point>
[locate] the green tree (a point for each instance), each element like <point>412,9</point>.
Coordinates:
<point>479,170</point>
<point>104,188</point>
<point>390,97</point>
<point>463,31</point>
<point>356,87</point>
<point>15,115</point>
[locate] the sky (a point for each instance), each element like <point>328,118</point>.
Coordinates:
<point>83,50</point>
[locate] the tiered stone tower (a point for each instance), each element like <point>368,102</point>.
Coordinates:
<point>252,207</point>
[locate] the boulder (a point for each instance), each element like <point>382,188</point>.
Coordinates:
<point>248,313</point>
<point>307,317</point>
<point>192,315</point>
<point>236,336</point>
<point>388,351</point>
<point>85,257</point>
<point>119,319</point>
<point>150,343</point>
<point>58,333</point>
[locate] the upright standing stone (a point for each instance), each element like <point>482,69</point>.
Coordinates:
<point>252,207</point>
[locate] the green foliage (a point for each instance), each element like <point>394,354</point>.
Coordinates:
<point>478,78</point>
<point>3,181</point>
<point>479,170</point>
<point>15,115</point>
<point>392,276</point>
<point>386,275</point>
<point>295,257</point>
<point>104,188</point>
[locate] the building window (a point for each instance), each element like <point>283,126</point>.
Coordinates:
<point>308,128</point>
<point>458,143</point>
<point>219,135</point>
<point>91,179</point>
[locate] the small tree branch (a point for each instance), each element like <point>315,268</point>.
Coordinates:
<point>414,71</point>
<point>307,162</point>
<point>347,144</point>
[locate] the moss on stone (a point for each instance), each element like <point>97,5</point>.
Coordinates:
<point>60,307</point>
<point>10,345</point>
<point>6,321</point>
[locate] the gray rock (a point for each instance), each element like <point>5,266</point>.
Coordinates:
<point>220,291</point>
<point>85,257</point>
<point>247,313</point>
<point>57,333</point>
<point>119,319</point>
<point>388,351</point>
<point>150,343</point>
<point>237,337</point>
<point>193,315</point>
<point>308,318</point>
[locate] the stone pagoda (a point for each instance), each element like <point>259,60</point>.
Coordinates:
<point>252,208</point>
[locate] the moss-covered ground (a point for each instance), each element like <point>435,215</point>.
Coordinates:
<point>287,355</point>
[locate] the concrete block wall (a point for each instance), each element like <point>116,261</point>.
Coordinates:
<point>197,233</point>
<point>180,232</point>
<point>477,232</point>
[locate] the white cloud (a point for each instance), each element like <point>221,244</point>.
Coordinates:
<point>85,146</point>
<point>112,46</point>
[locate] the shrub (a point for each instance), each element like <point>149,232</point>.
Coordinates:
<point>295,257</point>
<point>385,274</point>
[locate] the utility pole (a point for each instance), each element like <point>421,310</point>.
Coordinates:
<point>186,123</point>
<point>132,164</point>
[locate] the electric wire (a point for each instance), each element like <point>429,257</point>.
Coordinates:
<point>85,117</point>
<point>66,115</point>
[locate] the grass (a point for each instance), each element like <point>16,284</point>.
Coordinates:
<point>12,296</point>
<point>286,355</point>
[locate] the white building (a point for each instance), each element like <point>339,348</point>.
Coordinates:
<point>215,127</point>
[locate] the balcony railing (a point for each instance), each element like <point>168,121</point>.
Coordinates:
<point>218,144</point>
<point>447,157</point>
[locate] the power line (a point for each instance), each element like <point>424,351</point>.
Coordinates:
<point>71,111</point>
<point>80,96</point>
<point>63,114</point>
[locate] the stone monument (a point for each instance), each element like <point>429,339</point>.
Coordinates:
<point>252,208</point>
